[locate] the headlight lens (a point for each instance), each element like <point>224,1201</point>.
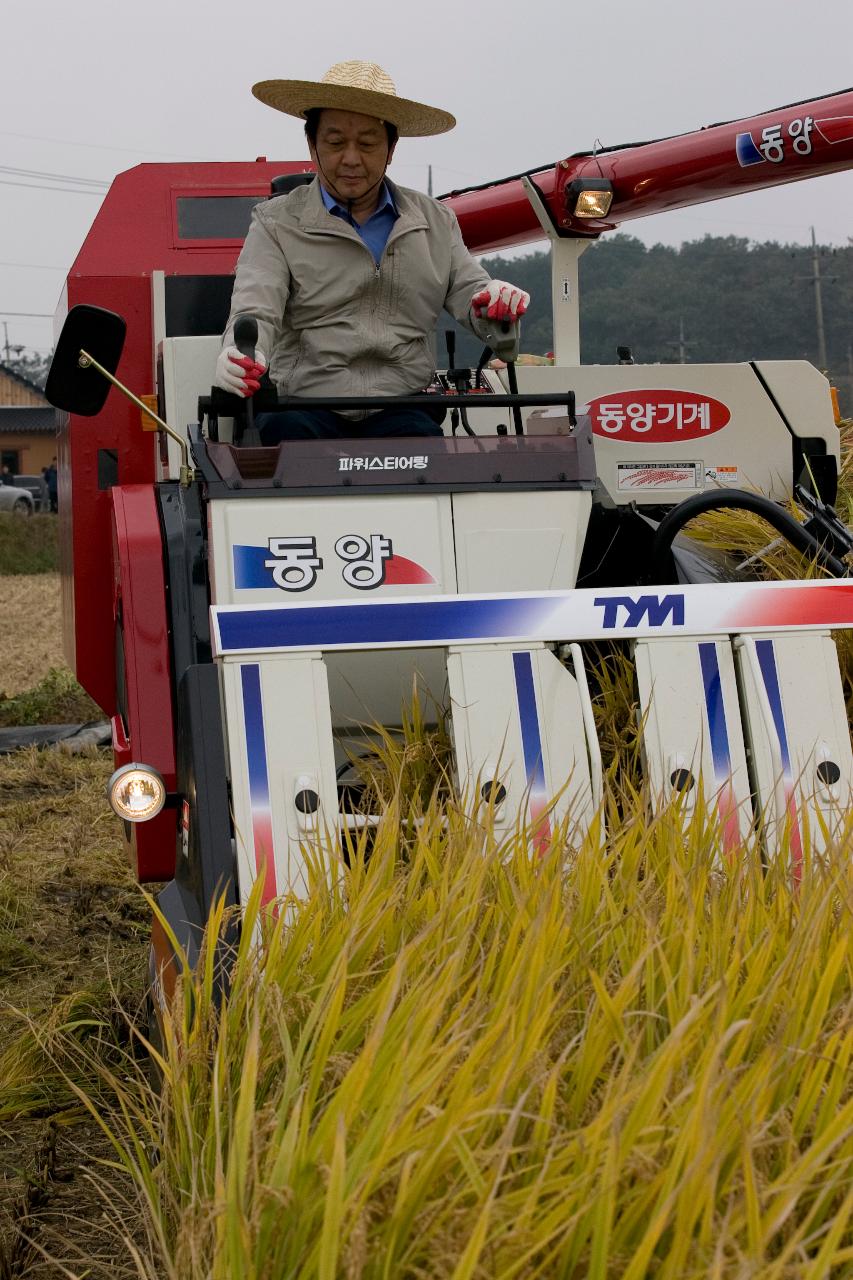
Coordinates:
<point>136,792</point>
<point>593,204</point>
<point>588,197</point>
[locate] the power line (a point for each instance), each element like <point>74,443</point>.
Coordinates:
<point>53,177</point>
<point>32,266</point>
<point>79,191</point>
<point>36,315</point>
<point>46,181</point>
<point>98,146</point>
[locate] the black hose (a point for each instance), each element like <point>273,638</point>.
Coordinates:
<point>716,499</point>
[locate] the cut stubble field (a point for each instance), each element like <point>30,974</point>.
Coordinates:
<point>30,630</point>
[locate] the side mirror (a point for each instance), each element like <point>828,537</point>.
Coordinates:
<point>77,386</point>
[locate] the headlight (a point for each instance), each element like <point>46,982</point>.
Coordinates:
<point>589,197</point>
<point>136,792</point>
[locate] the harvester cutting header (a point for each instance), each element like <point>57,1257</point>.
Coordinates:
<point>292,518</point>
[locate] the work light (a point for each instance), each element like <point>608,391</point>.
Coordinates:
<point>136,792</point>
<point>589,197</point>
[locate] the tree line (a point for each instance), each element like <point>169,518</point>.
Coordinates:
<point>732,299</point>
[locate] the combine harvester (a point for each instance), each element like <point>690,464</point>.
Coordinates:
<point>240,611</point>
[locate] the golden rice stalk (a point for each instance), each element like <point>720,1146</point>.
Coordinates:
<point>632,1060</point>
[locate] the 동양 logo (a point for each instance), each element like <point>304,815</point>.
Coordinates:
<point>775,141</point>
<point>292,563</point>
<point>657,416</point>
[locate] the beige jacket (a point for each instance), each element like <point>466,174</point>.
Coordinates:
<point>331,321</point>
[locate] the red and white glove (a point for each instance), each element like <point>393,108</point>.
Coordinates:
<point>237,373</point>
<point>500,301</point>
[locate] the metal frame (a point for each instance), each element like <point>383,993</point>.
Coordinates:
<point>565,288</point>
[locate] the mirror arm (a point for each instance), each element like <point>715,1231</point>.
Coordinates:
<point>85,361</point>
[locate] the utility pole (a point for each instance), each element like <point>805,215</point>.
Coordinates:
<point>681,343</point>
<point>818,304</point>
<point>429,180</point>
<point>6,344</point>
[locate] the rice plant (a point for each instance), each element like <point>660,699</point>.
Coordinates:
<point>452,1061</point>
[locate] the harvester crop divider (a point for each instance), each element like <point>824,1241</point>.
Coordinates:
<point>733,724</point>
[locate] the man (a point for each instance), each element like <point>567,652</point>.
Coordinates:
<point>347,276</point>
<point>51,480</point>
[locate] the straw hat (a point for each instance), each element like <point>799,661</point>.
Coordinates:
<point>355,86</point>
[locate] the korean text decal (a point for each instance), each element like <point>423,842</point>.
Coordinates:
<point>771,142</point>
<point>293,564</point>
<point>294,561</point>
<point>657,416</point>
<point>395,462</point>
<point>778,142</point>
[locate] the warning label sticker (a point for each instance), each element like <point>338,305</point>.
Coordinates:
<point>659,475</point>
<point>722,475</point>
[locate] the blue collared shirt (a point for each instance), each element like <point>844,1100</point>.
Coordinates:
<point>376,230</point>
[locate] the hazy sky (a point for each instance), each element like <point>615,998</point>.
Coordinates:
<point>91,88</point>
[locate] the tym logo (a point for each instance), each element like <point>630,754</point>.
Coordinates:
<point>657,609</point>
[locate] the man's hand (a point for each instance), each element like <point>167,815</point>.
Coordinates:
<point>500,301</point>
<point>238,374</point>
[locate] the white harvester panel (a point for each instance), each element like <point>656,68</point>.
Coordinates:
<point>270,550</point>
<point>358,548</point>
<point>796,724</point>
<point>692,737</point>
<point>519,739</point>
<point>186,368</point>
<point>267,551</point>
<point>282,768</point>
<point>519,541</point>
<point>663,432</point>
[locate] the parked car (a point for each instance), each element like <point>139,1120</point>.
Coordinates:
<point>18,501</point>
<point>36,486</point>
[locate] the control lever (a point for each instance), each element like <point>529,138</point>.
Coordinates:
<point>245,340</point>
<point>513,389</point>
<point>461,379</point>
<point>504,338</point>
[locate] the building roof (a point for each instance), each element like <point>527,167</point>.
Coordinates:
<point>20,419</point>
<point>19,377</point>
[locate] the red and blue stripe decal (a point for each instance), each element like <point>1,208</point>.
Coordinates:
<point>770,675</point>
<point>581,614</point>
<point>259,786</point>
<point>721,755</point>
<point>531,745</point>
<point>793,604</point>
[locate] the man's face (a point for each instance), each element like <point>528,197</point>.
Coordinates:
<point>351,153</point>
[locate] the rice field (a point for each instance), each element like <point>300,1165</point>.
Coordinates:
<point>456,1062</point>
<point>626,1059</point>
